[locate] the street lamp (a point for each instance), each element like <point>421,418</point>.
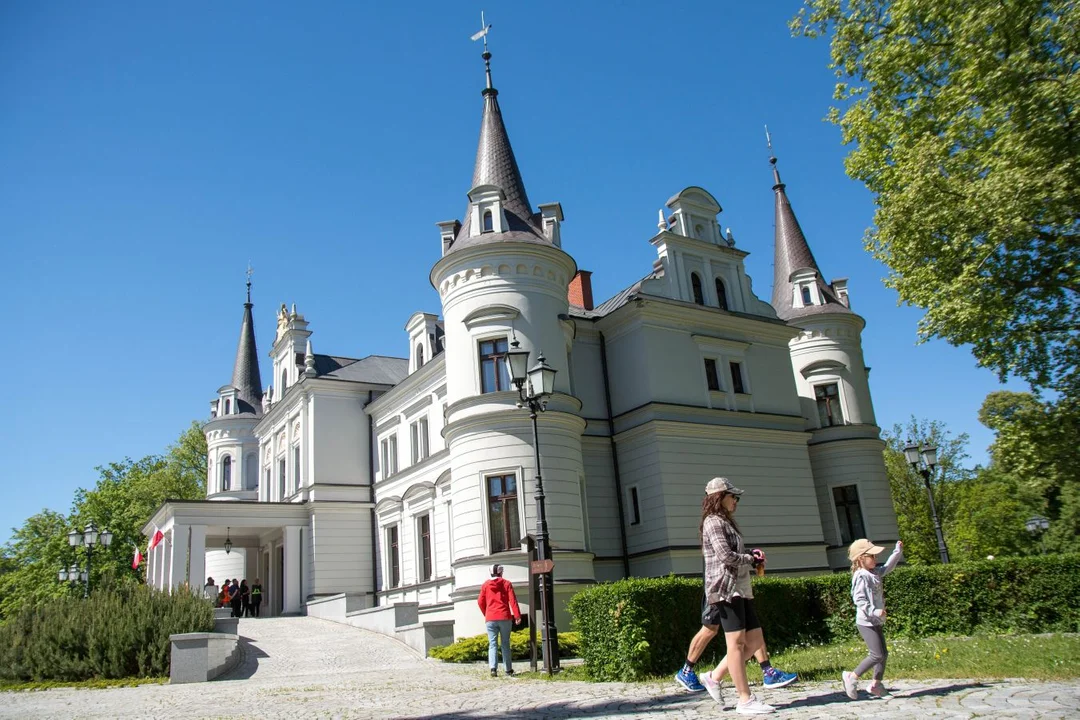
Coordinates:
<point>228,541</point>
<point>541,383</point>
<point>923,460</point>
<point>1038,526</point>
<point>88,538</point>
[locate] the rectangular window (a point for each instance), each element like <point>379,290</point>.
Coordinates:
<point>423,530</point>
<point>711,376</point>
<point>281,477</point>
<point>502,513</point>
<point>737,378</point>
<point>828,405</point>
<point>635,508</point>
<point>419,433</point>
<point>848,514</point>
<point>493,373</point>
<point>395,557</point>
<point>296,467</point>
<point>389,455</point>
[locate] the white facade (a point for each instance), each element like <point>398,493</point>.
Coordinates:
<point>393,483</point>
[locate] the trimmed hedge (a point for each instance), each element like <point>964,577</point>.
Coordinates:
<point>115,633</point>
<point>639,627</point>
<point>475,648</point>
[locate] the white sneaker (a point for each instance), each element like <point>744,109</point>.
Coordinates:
<point>851,684</point>
<point>713,687</point>
<point>753,706</point>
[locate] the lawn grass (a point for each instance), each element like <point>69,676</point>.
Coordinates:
<point>988,657</point>
<point>6,685</point>
<point>1035,657</point>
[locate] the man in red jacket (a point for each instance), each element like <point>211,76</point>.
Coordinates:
<point>498,604</point>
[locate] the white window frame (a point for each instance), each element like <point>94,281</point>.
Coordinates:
<point>429,513</point>
<point>816,380</point>
<point>388,455</point>
<point>419,439</point>
<point>836,518</point>
<point>482,481</point>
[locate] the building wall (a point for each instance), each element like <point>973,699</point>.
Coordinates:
<point>340,542</point>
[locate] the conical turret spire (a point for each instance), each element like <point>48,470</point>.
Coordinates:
<point>792,253</point>
<point>245,376</point>
<point>496,167</point>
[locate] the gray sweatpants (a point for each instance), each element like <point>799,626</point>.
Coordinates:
<point>874,637</point>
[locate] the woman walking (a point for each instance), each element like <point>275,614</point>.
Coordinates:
<point>729,595</point>
<point>869,598</point>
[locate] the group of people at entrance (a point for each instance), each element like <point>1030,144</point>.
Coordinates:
<point>244,601</point>
<point>729,605</point>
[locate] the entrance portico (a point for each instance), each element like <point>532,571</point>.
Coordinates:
<point>266,543</point>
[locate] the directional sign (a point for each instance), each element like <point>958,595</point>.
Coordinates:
<point>539,567</point>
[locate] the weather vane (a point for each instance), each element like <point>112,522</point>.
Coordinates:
<point>768,139</point>
<point>249,273</point>
<point>484,28</point>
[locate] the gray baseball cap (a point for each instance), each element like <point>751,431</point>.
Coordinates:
<point>721,485</point>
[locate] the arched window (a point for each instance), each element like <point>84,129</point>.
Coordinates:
<point>228,409</point>
<point>488,221</point>
<point>284,381</point>
<point>226,474</point>
<point>806,299</point>
<point>419,356</point>
<point>695,286</point>
<point>721,294</point>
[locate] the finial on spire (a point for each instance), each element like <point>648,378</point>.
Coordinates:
<point>661,220</point>
<point>484,29</point>
<point>772,158</point>
<point>249,273</point>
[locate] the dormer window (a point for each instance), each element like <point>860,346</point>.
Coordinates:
<point>695,288</point>
<point>489,222</point>
<point>228,407</point>
<point>807,299</point>
<point>721,294</point>
<point>284,380</point>
<point>419,356</point>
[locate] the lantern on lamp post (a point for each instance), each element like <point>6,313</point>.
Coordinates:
<point>923,460</point>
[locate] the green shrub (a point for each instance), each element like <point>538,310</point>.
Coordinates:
<point>639,627</point>
<point>115,633</point>
<point>475,648</point>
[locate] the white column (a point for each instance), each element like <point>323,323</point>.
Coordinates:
<point>166,561</point>
<point>290,583</point>
<point>197,561</point>
<point>150,568</point>
<point>178,556</point>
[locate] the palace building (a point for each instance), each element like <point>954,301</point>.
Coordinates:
<point>377,491</point>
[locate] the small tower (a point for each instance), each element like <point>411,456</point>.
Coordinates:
<point>831,378</point>
<point>503,276</point>
<point>232,448</point>
<point>289,350</point>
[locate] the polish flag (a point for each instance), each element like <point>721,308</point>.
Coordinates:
<point>158,536</point>
<point>137,560</point>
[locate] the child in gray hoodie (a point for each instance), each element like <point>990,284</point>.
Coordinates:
<point>869,599</point>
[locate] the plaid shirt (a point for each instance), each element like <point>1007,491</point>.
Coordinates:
<point>724,552</point>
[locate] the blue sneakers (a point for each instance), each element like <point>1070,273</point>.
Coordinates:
<point>689,680</point>
<point>778,678</point>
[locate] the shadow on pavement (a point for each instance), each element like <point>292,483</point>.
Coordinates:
<point>249,662</point>
<point>839,697</point>
<point>675,703</point>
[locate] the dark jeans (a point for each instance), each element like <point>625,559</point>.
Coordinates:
<point>236,612</point>
<point>255,607</point>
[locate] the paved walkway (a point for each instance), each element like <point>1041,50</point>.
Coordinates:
<point>305,667</point>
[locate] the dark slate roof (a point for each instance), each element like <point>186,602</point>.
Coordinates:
<point>622,297</point>
<point>496,165</point>
<point>791,253</point>
<point>245,376</point>
<point>374,369</point>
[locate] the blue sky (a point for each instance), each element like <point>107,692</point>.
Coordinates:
<point>149,152</point>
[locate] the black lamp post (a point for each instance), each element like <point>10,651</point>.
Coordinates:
<point>923,460</point>
<point>541,383</point>
<point>1038,526</point>
<point>88,538</point>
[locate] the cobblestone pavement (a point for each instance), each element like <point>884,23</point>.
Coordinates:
<point>305,667</point>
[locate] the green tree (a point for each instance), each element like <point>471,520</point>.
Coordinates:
<point>909,490</point>
<point>988,519</point>
<point>1038,444</point>
<point>125,496</point>
<point>965,118</point>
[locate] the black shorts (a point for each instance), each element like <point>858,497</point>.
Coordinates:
<point>732,616</point>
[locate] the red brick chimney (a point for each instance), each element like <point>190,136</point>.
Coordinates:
<point>580,290</point>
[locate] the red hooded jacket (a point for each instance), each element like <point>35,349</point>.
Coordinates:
<point>497,600</point>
